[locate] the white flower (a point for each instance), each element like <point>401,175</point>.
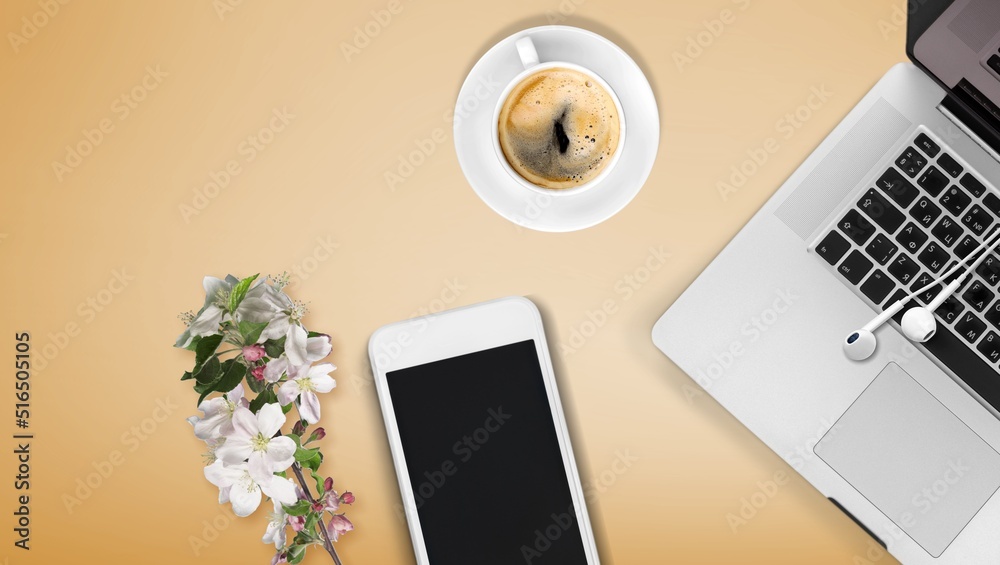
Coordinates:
<point>207,321</point>
<point>265,304</point>
<point>303,350</point>
<point>317,379</point>
<point>238,487</point>
<point>275,532</point>
<point>253,438</point>
<point>218,419</point>
<point>275,368</point>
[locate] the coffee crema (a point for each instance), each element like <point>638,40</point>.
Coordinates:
<point>559,128</point>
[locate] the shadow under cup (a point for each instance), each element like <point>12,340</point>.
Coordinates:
<point>498,149</point>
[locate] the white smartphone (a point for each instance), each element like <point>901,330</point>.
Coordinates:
<point>479,440</point>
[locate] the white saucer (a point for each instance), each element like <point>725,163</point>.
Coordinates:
<point>567,212</point>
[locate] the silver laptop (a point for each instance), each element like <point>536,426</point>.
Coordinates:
<point>907,441</point>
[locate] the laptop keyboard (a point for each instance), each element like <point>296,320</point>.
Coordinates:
<point>926,211</point>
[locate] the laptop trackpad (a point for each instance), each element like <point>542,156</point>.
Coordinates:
<point>913,459</point>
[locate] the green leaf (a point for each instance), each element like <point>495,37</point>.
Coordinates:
<point>209,372</point>
<point>239,292</point>
<point>319,482</point>
<point>232,374</point>
<point>311,520</point>
<point>205,350</point>
<point>193,346</point>
<point>314,463</point>
<point>251,331</point>
<point>187,375</point>
<point>300,508</point>
<point>266,396</point>
<point>275,347</point>
<point>296,554</point>
<point>305,454</point>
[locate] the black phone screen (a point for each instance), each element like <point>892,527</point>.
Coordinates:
<point>483,460</point>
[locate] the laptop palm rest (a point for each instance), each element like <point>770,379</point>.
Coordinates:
<point>913,459</point>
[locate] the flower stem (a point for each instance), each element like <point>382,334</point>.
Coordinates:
<point>327,544</point>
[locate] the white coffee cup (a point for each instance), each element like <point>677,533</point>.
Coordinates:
<point>529,60</point>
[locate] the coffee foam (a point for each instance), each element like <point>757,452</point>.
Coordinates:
<point>559,128</point>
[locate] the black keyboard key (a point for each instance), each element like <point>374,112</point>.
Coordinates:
<point>933,181</point>
<point>911,237</point>
<point>855,267</point>
<point>856,227</point>
<point>993,314</point>
<point>977,219</point>
<point>927,145</point>
<point>965,247</point>
<point>955,200</point>
<point>881,249</point>
<point>948,231</point>
<point>926,296</point>
<point>992,203</point>
<point>970,327</point>
<point>950,310</point>
<point>990,347</point>
<point>925,212</point>
<point>911,161</point>
<point>833,247</point>
<point>994,63</point>
<point>904,268</point>
<point>978,295</point>
<point>973,185</point>
<point>883,212</point>
<point>990,270</point>
<point>898,188</point>
<point>934,257</point>
<point>950,165</point>
<point>878,286</point>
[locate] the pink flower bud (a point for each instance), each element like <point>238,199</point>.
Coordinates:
<point>332,501</point>
<point>317,435</point>
<point>258,373</point>
<point>347,497</point>
<point>253,352</point>
<point>318,506</point>
<point>279,558</point>
<point>299,428</point>
<point>339,525</point>
<point>328,484</point>
<point>297,522</point>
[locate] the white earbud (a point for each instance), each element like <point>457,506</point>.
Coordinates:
<point>918,324</point>
<point>861,344</point>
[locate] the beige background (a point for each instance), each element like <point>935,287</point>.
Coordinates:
<point>320,186</point>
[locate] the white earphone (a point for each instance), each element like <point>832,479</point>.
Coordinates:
<point>918,323</point>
